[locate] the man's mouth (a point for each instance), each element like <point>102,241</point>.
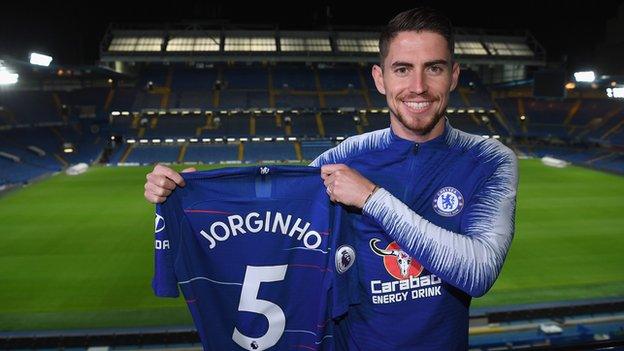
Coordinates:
<point>418,106</point>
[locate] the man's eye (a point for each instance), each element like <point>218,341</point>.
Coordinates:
<point>401,70</point>
<point>435,69</point>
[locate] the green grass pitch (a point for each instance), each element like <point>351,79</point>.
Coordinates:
<point>77,251</point>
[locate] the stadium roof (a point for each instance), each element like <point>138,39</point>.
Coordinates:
<point>204,43</point>
<point>70,31</point>
<point>27,69</point>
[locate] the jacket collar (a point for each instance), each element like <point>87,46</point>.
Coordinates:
<point>439,142</point>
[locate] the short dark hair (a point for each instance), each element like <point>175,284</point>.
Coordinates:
<point>417,19</point>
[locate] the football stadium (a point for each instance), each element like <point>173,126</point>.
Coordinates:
<point>77,140</point>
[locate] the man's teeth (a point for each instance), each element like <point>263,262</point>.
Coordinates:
<point>417,105</point>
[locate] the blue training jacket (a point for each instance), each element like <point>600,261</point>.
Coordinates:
<point>432,237</point>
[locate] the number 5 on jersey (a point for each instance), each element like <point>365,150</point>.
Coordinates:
<point>249,302</point>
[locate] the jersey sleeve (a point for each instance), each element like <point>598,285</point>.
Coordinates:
<point>470,260</point>
<point>166,232</point>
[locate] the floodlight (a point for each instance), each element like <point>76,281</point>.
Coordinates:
<point>585,76</point>
<point>40,59</point>
<point>7,77</point>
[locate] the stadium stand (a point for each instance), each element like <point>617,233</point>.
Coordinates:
<point>212,113</point>
<point>273,151</point>
<point>212,153</point>
<point>293,77</point>
<point>30,107</point>
<point>122,99</point>
<point>593,120</point>
<point>267,125</point>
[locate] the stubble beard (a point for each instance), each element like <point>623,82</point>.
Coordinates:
<point>424,130</point>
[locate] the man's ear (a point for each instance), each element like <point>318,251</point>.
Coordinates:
<point>377,73</point>
<point>454,75</point>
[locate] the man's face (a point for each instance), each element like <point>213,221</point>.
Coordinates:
<point>417,79</point>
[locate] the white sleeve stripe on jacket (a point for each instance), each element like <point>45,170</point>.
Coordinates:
<point>470,261</point>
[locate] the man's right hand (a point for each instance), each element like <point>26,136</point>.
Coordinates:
<point>161,182</point>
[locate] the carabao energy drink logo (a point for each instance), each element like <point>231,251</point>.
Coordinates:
<point>398,263</point>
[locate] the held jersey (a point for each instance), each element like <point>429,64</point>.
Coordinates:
<point>432,237</point>
<point>258,255</point>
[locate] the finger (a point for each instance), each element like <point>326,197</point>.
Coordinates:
<point>329,180</point>
<point>158,191</point>
<point>331,168</point>
<point>161,181</point>
<point>190,169</point>
<point>166,183</point>
<point>153,198</point>
<point>170,173</point>
<point>327,170</point>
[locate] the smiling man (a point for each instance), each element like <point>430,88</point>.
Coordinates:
<point>416,75</point>
<point>433,206</point>
<point>437,204</point>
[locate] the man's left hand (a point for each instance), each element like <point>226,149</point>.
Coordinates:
<point>346,185</point>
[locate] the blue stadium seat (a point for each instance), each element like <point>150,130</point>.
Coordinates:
<point>311,149</point>
<point>293,77</point>
<point>269,151</point>
<point>150,154</point>
<point>211,153</point>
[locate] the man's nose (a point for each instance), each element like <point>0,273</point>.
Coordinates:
<point>418,83</point>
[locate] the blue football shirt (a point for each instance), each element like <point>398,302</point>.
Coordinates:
<point>258,255</point>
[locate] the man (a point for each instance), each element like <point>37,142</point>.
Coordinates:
<point>437,204</point>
